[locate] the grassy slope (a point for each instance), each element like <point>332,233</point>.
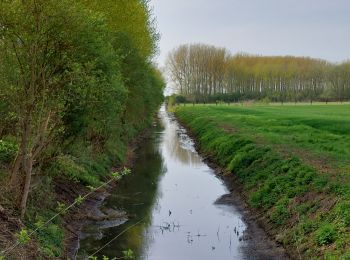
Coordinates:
<point>293,162</point>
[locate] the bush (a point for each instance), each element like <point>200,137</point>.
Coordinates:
<point>8,151</point>
<point>326,234</point>
<point>67,165</point>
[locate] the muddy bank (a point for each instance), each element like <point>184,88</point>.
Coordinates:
<point>259,235</point>
<point>91,211</point>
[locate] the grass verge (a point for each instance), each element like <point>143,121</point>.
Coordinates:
<point>292,162</point>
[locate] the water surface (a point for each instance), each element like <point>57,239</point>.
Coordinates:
<point>173,193</point>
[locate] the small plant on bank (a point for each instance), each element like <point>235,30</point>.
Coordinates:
<point>79,200</point>
<point>126,171</point>
<point>91,188</point>
<point>23,237</point>
<point>326,235</point>
<point>280,214</point>
<point>61,207</point>
<point>116,175</point>
<point>128,254</point>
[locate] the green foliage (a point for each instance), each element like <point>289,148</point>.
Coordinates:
<point>342,212</point>
<point>280,214</point>
<point>51,238</point>
<point>326,234</point>
<point>68,166</point>
<point>126,171</point>
<point>128,254</point>
<point>77,84</point>
<point>23,237</point>
<point>346,256</point>
<point>79,200</point>
<point>61,207</point>
<point>116,175</point>
<point>8,151</point>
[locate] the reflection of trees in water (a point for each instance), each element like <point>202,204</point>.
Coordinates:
<point>179,145</point>
<point>137,194</point>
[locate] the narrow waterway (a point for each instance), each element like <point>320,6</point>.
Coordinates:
<point>171,196</point>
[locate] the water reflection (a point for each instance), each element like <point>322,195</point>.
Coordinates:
<point>179,146</point>
<point>173,192</point>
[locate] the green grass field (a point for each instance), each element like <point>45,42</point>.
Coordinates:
<point>320,130</point>
<point>294,164</point>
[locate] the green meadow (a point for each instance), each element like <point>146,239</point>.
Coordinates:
<point>294,165</point>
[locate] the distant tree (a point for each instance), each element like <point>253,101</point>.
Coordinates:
<point>201,72</point>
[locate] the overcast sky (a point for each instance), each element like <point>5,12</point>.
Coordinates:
<point>315,28</point>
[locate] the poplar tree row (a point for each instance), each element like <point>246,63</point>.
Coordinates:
<point>204,73</point>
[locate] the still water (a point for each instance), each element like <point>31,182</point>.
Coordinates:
<point>172,191</point>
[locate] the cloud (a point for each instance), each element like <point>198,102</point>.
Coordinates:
<point>316,28</point>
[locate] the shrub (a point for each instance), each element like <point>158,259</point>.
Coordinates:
<point>67,165</point>
<point>326,234</point>
<point>8,151</point>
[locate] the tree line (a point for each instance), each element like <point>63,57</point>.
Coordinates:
<point>205,73</point>
<point>77,82</point>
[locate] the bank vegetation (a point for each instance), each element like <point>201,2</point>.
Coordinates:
<point>77,83</point>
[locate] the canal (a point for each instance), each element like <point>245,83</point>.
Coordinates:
<point>171,199</point>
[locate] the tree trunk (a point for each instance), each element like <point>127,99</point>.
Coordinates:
<point>15,169</point>
<point>28,171</point>
<point>21,152</point>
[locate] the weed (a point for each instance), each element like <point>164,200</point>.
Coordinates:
<point>61,207</point>
<point>23,237</point>
<point>280,213</point>
<point>326,234</point>
<point>79,200</point>
<point>128,254</point>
